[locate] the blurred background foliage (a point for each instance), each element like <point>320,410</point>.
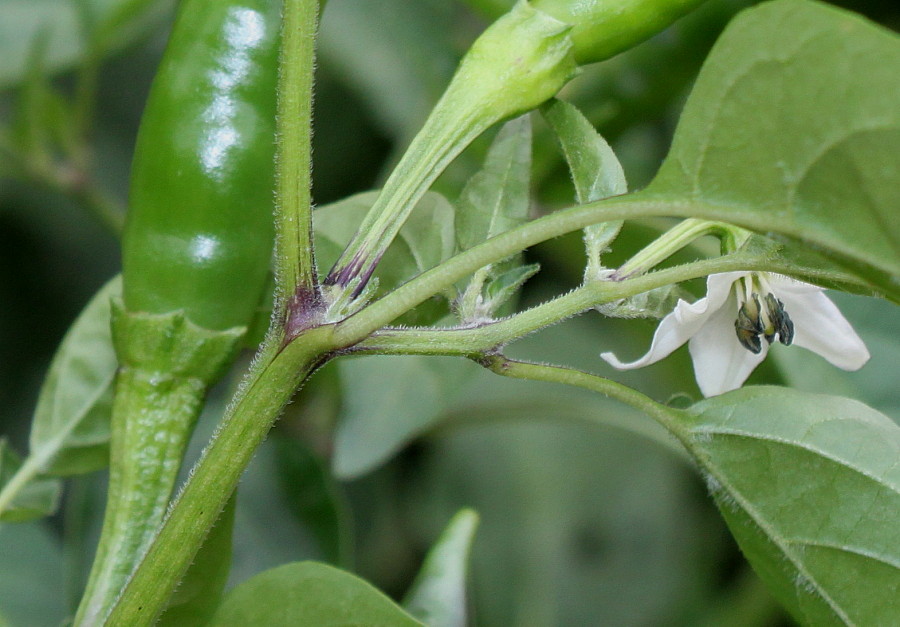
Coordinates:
<point>590,515</point>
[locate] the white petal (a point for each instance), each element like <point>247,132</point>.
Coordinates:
<point>686,320</point>
<point>820,327</point>
<point>721,363</point>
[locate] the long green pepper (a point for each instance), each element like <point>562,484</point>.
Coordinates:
<point>196,255</point>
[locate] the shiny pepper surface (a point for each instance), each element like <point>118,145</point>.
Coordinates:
<point>603,28</point>
<point>199,232</point>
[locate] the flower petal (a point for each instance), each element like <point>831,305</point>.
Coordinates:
<point>721,364</point>
<point>684,321</point>
<point>819,325</point>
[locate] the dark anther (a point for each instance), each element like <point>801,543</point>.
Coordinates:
<point>749,327</point>
<point>783,323</point>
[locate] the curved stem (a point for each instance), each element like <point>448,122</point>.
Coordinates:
<point>445,275</point>
<point>474,340</point>
<point>666,416</point>
<point>667,244</point>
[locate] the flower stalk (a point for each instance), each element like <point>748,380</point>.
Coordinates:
<point>519,62</point>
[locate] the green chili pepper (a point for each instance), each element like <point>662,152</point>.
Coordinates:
<point>603,28</point>
<point>196,253</point>
<point>198,235</point>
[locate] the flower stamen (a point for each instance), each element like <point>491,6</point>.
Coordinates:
<point>754,320</point>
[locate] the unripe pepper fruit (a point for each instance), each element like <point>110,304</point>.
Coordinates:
<point>604,28</point>
<point>198,235</point>
<point>196,254</point>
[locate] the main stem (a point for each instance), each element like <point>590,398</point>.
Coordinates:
<point>281,365</point>
<point>295,260</point>
<point>214,478</point>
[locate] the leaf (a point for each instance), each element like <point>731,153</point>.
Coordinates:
<point>21,20</point>
<point>31,576</point>
<point>496,198</point>
<point>315,499</point>
<point>70,432</point>
<point>34,498</point>
<point>387,402</point>
<point>506,284</point>
<point>810,487</point>
<point>438,595</point>
<point>425,240</point>
<point>799,139</point>
<point>308,593</point>
<point>200,591</point>
<point>401,66</point>
<point>595,170</point>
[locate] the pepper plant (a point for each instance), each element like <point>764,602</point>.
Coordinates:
<point>423,330</point>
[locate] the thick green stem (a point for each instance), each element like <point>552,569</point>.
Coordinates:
<point>167,364</point>
<point>296,271</point>
<point>152,420</point>
<point>288,355</point>
<point>215,477</point>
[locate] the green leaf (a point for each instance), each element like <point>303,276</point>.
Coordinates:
<point>387,402</point>
<point>308,593</point>
<point>496,198</point>
<point>799,138</point>
<point>31,499</point>
<point>810,487</point>
<point>595,169</point>
<point>401,66</point>
<point>21,20</point>
<point>70,432</point>
<point>425,240</point>
<point>315,499</point>
<point>31,576</point>
<point>200,591</point>
<point>438,595</point>
<point>506,284</point>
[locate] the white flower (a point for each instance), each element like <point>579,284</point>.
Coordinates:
<point>726,330</point>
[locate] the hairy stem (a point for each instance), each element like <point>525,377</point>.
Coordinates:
<point>295,261</point>
<point>569,376</point>
<point>475,340</point>
<point>215,477</point>
<point>445,275</point>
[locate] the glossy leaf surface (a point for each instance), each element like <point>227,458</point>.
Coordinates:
<point>308,593</point>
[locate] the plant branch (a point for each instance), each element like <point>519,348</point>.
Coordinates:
<point>295,266</point>
<point>441,277</point>
<point>474,340</point>
<point>214,478</point>
<point>666,416</point>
